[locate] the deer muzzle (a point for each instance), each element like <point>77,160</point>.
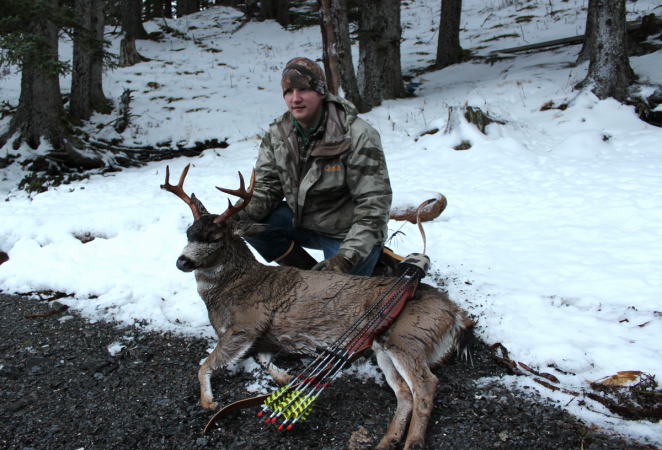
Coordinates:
<point>185,264</point>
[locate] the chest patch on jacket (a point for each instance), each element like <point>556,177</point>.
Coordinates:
<point>330,168</point>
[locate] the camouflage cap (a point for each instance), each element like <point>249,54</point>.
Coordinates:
<point>303,73</point>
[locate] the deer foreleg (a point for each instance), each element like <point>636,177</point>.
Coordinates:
<point>226,352</point>
<point>398,427</point>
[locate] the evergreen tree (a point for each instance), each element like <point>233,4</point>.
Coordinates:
<point>86,81</point>
<point>132,27</point>
<point>380,72</point>
<point>609,71</point>
<point>338,51</point>
<point>29,41</point>
<point>448,46</point>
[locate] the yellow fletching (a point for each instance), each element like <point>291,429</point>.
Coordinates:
<point>274,396</point>
<point>295,410</point>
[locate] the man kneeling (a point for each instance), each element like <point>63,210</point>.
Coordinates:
<point>329,166</point>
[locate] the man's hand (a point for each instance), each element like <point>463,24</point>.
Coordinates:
<point>337,263</point>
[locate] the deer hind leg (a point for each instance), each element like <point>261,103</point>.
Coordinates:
<point>423,384</point>
<point>396,430</point>
<point>279,375</point>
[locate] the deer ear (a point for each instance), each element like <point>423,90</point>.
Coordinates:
<point>199,204</point>
<point>249,228</point>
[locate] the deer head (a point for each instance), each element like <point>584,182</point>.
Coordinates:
<point>213,239</point>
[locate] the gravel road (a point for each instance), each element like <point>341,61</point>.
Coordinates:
<point>61,389</point>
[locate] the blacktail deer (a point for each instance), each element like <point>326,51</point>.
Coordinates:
<point>268,309</point>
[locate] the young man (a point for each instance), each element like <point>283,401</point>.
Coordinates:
<point>329,166</point>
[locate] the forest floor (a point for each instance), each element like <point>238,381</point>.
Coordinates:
<point>60,387</point>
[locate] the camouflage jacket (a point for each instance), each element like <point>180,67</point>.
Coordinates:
<point>344,191</point>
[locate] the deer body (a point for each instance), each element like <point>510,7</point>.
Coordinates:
<point>269,309</point>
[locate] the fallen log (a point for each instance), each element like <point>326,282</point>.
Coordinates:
<point>632,27</point>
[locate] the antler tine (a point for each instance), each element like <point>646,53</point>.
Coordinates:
<point>179,190</point>
<point>241,193</point>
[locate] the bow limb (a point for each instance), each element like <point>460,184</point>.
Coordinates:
<point>236,406</point>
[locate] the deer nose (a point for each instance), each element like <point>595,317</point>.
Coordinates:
<point>185,264</point>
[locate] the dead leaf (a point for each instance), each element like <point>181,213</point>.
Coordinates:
<point>361,439</point>
<point>620,379</point>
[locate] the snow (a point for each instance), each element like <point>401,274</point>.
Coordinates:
<point>115,348</point>
<point>551,237</point>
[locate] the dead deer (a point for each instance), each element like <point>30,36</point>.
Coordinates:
<point>269,309</point>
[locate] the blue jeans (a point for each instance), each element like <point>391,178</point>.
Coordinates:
<point>275,241</point>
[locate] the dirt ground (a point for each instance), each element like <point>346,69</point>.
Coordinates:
<point>61,389</point>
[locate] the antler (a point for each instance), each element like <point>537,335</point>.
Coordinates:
<point>179,190</point>
<point>241,193</point>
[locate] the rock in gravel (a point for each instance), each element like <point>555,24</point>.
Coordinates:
<point>171,430</point>
<point>36,362</point>
<point>94,365</point>
<point>22,403</point>
<point>10,373</point>
<point>201,442</point>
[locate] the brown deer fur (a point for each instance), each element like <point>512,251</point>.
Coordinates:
<point>267,309</point>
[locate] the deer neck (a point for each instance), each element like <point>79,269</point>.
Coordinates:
<point>234,268</point>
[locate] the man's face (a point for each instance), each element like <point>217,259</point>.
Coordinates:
<point>305,105</point>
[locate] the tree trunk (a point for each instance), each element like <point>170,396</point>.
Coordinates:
<point>40,111</point>
<point>167,9</point>
<point>181,8</point>
<point>328,47</point>
<point>148,7</point>
<point>251,9</point>
<point>268,10</point>
<point>132,27</point>
<point>79,102</point>
<point>609,71</point>
<point>343,55</point>
<point>380,74</point>
<point>132,24</point>
<point>128,53</point>
<point>283,13</point>
<point>98,100</point>
<point>585,52</point>
<point>448,46</point>
<point>157,8</point>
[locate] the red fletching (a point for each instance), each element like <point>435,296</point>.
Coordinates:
<point>289,427</point>
<point>260,414</point>
<point>280,427</point>
<point>274,419</point>
<point>268,420</point>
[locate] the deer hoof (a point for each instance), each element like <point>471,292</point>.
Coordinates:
<point>211,406</point>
